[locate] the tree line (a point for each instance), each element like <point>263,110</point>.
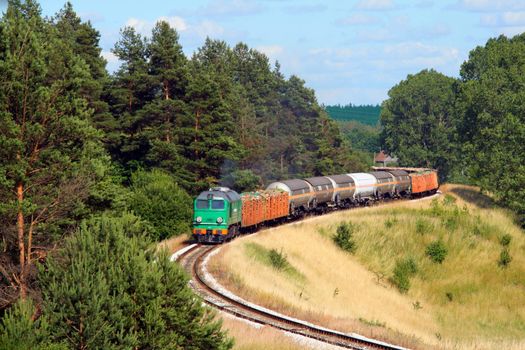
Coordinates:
<point>96,167</point>
<point>472,129</point>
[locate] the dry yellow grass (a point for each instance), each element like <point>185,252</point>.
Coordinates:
<point>352,292</point>
<point>251,338</point>
<point>173,244</point>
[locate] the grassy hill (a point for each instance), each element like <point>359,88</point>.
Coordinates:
<point>470,300</point>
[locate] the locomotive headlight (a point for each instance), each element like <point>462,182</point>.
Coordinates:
<point>219,220</point>
<point>198,219</point>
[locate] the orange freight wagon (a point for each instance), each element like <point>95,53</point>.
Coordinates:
<point>258,207</point>
<point>424,182</point>
<point>253,209</point>
<point>276,204</point>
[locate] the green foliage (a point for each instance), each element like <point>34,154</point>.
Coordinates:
<point>403,270</point>
<point>505,240</point>
<point>390,222</point>
<point>50,152</point>
<point>159,200</point>
<point>362,137</point>
<point>504,258</point>
<point>437,251</point>
<point>419,121</point>
<point>367,114</point>
<point>19,330</point>
<point>105,289</point>
<point>343,237</point>
<point>277,259</point>
<point>274,258</point>
<point>423,226</point>
<point>493,124</point>
<point>242,180</point>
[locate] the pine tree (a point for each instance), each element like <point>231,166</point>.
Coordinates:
<point>84,41</point>
<point>107,290</point>
<point>49,149</point>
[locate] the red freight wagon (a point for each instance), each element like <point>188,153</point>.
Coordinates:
<point>424,181</point>
<point>276,204</point>
<point>263,206</point>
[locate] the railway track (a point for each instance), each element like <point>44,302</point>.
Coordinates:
<point>193,259</point>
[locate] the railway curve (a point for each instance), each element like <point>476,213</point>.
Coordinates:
<point>194,258</point>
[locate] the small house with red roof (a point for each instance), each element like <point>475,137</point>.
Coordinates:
<point>383,159</point>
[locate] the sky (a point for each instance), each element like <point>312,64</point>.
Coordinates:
<point>350,51</point>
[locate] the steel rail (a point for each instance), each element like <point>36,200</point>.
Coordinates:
<point>192,260</point>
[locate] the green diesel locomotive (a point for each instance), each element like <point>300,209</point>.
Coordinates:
<point>217,215</point>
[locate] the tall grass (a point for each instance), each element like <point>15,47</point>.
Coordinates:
<point>467,301</point>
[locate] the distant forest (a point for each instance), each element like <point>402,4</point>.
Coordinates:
<point>364,114</point>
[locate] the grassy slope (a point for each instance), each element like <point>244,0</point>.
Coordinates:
<point>331,287</point>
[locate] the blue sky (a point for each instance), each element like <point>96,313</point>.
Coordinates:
<point>348,51</point>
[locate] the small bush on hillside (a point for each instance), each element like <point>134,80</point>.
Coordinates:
<point>277,259</point>
<point>423,226</point>
<point>504,258</point>
<point>343,237</point>
<point>449,200</point>
<point>437,251</point>
<point>403,270</point>
<point>390,222</point>
<point>505,240</point>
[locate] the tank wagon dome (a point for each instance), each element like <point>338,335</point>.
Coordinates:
<point>380,175</point>
<point>290,186</point>
<point>341,179</point>
<point>319,181</point>
<point>220,192</point>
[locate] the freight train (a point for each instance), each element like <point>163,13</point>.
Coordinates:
<point>221,214</point>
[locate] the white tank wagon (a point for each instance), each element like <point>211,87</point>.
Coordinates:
<point>365,186</point>
<point>300,191</point>
<point>344,189</point>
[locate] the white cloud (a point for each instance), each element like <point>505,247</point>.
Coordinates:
<point>207,29</point>
<point>109,56</point>
<point>358,19</point>
<point>112,60</point>
<point>271,50</point>
<point>175,22</point>
<point>375,5</point>
<point>491,5</point>
<point>144,27</point>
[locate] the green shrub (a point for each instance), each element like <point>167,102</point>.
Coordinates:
<point>437,251</point>
<point>158,199</point>
<point>504,258</point>
<point>343,237</point>
<point>403,270</point>
<point>423,226</point>
<point>505,240</point>
<point>277,259</point>
<point>390,222</point>
<point>449,200</point>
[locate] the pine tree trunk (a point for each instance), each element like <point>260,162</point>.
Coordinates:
<point>21,244</point>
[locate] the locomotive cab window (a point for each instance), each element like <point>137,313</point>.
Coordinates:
<point>217,204</point>
<point>202,204</point>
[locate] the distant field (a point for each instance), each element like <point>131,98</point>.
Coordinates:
<point>368,115</point>
<point>469,301</point>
